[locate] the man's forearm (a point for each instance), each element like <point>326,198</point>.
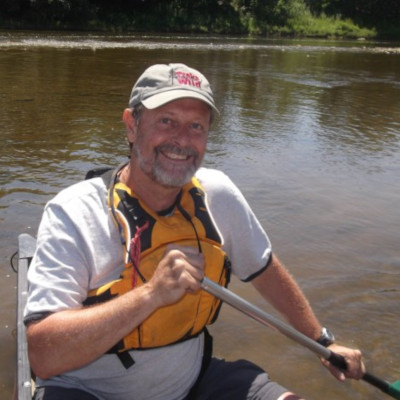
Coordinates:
<point>278,287</point>
<point>70,339</point>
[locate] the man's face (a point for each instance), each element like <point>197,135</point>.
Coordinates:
<point>170,141</point>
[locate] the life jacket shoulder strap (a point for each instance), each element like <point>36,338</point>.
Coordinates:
<point>106,173</point>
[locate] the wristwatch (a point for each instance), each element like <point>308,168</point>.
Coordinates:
<point>326,338</point>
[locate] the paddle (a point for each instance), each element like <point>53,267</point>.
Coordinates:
<point>392,389</point>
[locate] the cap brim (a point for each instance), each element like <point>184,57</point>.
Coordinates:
<point>160,99</point>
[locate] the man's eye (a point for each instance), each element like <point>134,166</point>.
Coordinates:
<point>165,123</point>
<point>197,127</point>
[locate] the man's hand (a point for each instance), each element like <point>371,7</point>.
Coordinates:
<point>355,365</point>
<point>180,271</point>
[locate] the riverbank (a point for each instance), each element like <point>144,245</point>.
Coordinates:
<point>316,29</point>
<point>96,40</point>
<point>387,50</point>
<point>285,21</point>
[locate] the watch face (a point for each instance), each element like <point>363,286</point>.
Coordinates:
<point>326,337</point>
<point>330,335</point>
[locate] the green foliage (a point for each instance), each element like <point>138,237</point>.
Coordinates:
<point>326,27</point>
<point>253,17</point>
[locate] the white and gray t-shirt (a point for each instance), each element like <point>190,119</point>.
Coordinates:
<point>79,249</point>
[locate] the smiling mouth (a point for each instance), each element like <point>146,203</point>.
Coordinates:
<point>174,156</point>
<point>175,153</point>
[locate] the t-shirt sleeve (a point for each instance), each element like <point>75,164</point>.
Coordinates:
<point>78,249</point>
<point>244,239</point>
<point>58,276</point>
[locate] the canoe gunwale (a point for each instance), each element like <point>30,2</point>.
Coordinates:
<point>24,384</point>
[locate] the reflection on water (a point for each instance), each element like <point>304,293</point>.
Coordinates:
<point>310,131</point>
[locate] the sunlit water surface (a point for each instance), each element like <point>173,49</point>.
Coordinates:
<point>310,131</point>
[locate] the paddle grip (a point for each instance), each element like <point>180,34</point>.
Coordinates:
<point>377,382</point>
<point>338,361</point>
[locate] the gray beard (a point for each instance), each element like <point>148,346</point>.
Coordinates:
<point>159,174</point>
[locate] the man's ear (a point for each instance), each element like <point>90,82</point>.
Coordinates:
<point>130,125</point>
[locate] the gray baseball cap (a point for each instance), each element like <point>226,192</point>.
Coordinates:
<point>162,83</point>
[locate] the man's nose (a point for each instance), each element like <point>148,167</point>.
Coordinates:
<point>182,133</point>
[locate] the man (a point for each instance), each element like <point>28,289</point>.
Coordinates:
<point>115,308</point>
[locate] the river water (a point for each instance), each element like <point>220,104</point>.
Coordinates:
<point>310,132</point>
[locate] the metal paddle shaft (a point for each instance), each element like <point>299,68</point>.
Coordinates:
<point>269,320</point>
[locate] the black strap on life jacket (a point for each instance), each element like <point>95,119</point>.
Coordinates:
<point>104,172</point>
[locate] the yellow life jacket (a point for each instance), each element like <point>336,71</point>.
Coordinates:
<point>145,235</point>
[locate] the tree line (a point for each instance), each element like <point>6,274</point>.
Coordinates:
<point>346,18</point>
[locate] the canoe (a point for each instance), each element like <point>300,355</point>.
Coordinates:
<point>24,385</point>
